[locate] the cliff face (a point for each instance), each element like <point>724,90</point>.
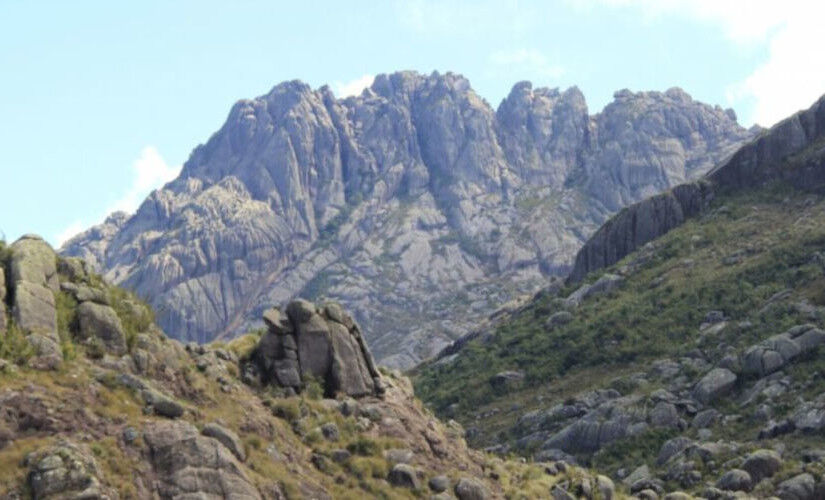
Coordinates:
<point>791,151</point>
<point>416,205</point>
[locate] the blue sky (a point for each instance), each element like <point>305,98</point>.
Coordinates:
<point>103,101</point>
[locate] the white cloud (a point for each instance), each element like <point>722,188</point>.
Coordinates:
<point>353,87</point>
<point>68,233</point>
<point>790,79</point>
<point>149,172</point>
<point>526,61</point>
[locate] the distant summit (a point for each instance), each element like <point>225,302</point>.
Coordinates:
<point>416,205</point>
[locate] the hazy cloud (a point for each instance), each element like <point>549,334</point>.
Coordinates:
<point>352,87</point>
<point>149,172</point>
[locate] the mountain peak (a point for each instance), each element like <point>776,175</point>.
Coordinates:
<point>397,201</point>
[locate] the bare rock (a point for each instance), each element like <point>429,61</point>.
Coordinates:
<point>102,322</point>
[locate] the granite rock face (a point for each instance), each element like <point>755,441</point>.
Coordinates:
<point>789,152</point>
<point>315,343</point>
<point>415,204</point>
<point>34,281</point>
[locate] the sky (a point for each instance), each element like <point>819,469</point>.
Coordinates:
<point>102,102</point>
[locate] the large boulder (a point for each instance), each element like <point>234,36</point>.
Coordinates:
<point>761,464</point>
<point>102,322</point>
<point>799,487</point>
<point>65,470</point>
<point>776,352</point>
<point>471,489</point>
<point>227,438</point>
<point>189,465</point>
<point>33,260</point>
<point>34,281</point>
<point>34,308</point>
<point>715,384</point>
<point>735,480</point>
<point>316,343</point>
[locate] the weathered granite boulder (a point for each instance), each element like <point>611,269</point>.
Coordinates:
<point>775,352</point>
<point>189,465</point>
<point>715,384</point>
<point>34,281</point>
<point>33,260</point>
<point>761,464</point>
<point>101,322</point>
<point>65,470</point>
<point>227,438</point>
<point>321,343</point>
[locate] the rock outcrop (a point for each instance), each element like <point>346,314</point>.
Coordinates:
<point>34,281</point>
<point>791,152</point>
<point>415,204</point>
<point>190,465</point>
<point>307,343</point>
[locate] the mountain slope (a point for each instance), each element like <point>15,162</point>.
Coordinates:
<point>122,411</point>
<point>686,346</point>
<point>415,204</point>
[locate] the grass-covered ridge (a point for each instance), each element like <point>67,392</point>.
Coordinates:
<point>735,258</point>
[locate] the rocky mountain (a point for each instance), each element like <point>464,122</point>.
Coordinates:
<point>415,204</point>
<point>685,349</point>
<point>789,152</point>
<point>97,403</point>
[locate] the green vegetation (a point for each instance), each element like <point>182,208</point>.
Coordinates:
<point>734,259</point>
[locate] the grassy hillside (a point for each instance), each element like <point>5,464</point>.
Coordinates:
<point>157,419</point>
<point>757,258</point>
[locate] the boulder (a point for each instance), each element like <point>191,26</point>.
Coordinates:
<point>761,464</point>
<point>799,487</point>
<point>102,322</point>
<point>404,476</point>
<point>65,470</point>
<point>735,480</point>
<point>34,261</point>
<point>189,465</point>
<point>227,438</point>
<point>671,448</point>
<point>606,487</point>
<point>715,384</point>
<point>439,484</point>
<point>83,293</point>
<point>162,404</point>
<point>34,309</point>
<point>308,343</point>
<point>664,414</point>
<point>468,488</point>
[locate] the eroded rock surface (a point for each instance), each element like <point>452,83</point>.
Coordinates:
<point>315,343</point>
<point>416,204</point>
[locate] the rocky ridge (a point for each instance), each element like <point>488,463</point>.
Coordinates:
<point>684,350</point>
<point>415,204</point>
<point>791,152</point>
<point>125,412</point>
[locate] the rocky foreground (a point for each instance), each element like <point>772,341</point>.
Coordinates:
<point>416,204</point>
<point>96,402</point>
